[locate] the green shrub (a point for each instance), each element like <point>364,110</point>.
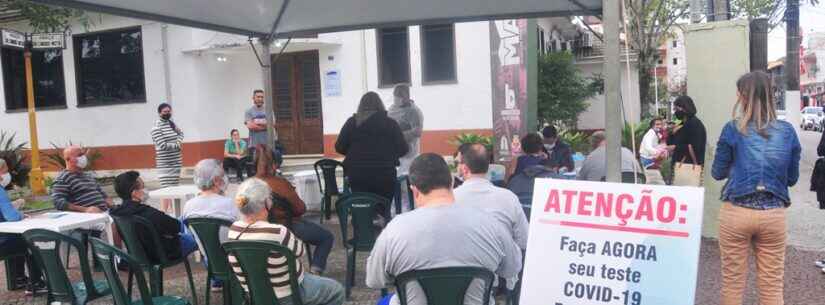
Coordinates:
<point>55,157</point>
<point>13,153</point>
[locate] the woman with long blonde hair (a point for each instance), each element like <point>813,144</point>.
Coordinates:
<point>759,155</point>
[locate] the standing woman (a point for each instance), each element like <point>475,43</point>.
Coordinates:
<point>168,139</point>
<point>759,155</point>
<point>372,143</point>
<point>690,141</point>
<point>411,121</point>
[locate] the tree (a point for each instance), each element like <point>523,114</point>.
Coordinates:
<point>563,91</point>
<point>44,18</point>
<point>649,24</point>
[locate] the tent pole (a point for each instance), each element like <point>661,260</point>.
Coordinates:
<point>266,59</point>
<point>612,83</point>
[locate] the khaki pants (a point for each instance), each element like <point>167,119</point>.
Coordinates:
<point>654,177</point>
<point>741,229</point>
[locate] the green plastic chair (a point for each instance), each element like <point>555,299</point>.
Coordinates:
<point>207,230</point>
<point>253,259</point>
<point>361,207</point>
<point>128,228</point>
<point>403,180</point>
<point>325,174</point>
<point>445,286</point>
<point>106,254</point>
<point>45,248</point>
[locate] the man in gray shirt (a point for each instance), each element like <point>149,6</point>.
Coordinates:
<point>478,192</point>
<point>255,120</point>
<point>594,167</point>
<point>439,233</point>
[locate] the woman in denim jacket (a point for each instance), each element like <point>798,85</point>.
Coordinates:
<point>759,155</point>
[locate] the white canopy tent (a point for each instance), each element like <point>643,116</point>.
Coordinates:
<point>271,19</point>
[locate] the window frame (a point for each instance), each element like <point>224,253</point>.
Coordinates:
<point>77,70</point>
<point>424,81</point>
<point>6,108</point>
<point>379,47</point>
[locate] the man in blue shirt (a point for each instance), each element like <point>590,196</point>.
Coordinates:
<point>11,244</point>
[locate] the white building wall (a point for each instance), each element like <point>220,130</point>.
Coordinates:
<point>593,118</point>
<point>676,73</point>
<point>209,97</point>
<point>466,104</point>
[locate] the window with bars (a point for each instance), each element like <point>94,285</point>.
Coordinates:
<point>438,63</point>
<point>109,67</point>
<point>47,75</point>
<point>393,56</point>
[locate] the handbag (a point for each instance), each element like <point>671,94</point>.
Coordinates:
<point>687,174</point>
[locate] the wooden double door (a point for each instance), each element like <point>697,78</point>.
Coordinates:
<point>296,84</point>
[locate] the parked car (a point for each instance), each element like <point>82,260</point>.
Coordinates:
<point>812,118</point>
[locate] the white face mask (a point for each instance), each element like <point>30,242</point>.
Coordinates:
<point>145,197</point>
<point>5,180</point>
<point>82,162</point>
<point>225,184</point>
<point>549,147</point>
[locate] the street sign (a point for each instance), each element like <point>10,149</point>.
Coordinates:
<point>12,38</point>
<point>42,41</point>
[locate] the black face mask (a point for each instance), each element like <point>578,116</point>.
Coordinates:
<point>166,116</point>
<point>680,114</point>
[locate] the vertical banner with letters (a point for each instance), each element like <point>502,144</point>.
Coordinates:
<point>508,49</point>
<point>612,244</point>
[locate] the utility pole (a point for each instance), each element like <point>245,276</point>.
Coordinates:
<point>612,87</point>
<point>36,174</point>
<point>269,105</point>
<point>792,106</point>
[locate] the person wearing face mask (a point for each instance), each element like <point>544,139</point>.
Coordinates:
<point>411,120</point>
<point>254,200</point>
<point>5,183</point>
<point>289,208</point>
<point>174,239</point>
<point>559,154</point>
<point>168,139</point>
<point>652,151</point>
<point>76,190</point>
<point>14,243</point>
<point>211,202</point>
<point>688,145</point>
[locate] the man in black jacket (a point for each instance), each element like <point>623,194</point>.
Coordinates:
<point>174,241</point>
<point>559,154</point>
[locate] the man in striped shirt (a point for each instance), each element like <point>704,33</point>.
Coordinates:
<point>74,189</point>
<point>254,201</point>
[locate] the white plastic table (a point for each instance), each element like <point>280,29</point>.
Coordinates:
<point>178,194</point>
<point>68,221</point>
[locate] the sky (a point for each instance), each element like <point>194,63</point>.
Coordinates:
<point>811,19</point>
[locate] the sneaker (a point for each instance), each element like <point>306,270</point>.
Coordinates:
<point>36,288</point>
<point>820,263</point>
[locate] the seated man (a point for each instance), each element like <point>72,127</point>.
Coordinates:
<point>559,154</point>
<point>211,203</point>
<point>130,188</point>
<point>479,192</point>
<point>594,167</point>
<point>439,233</point>
<point>74,189</point>
<point>14,243</point>
<point>254,200</point>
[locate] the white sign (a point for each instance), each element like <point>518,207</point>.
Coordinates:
<point>48,41</point>
<point>332,83</point>
<point>11,38</point>
<point>612,244</point>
